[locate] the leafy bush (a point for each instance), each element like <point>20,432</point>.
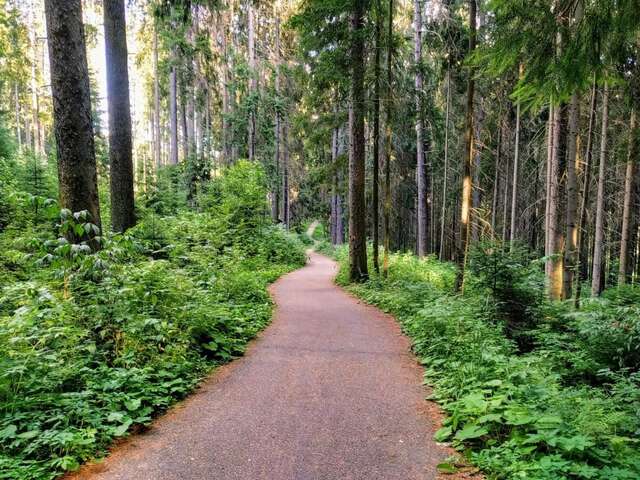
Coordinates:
<point>514,413</point>
<point>94,344</point>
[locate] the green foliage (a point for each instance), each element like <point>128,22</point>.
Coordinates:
<point>95,344</point>
<point>518,415</point>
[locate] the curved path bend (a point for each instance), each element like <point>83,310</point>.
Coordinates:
<point>329,391</point>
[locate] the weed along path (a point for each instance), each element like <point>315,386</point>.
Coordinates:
<point>329,391</point>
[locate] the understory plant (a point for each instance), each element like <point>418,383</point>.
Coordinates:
<point>531,389</point>
<point>95,344</point>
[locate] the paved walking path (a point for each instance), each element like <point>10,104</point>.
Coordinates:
<point>328,392</point>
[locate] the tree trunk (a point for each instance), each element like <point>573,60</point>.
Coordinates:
<point>72,108</point>
<point>376,142</point>
<point>571,236</point>
<point>583,257</point>
<point>157,150</point>
<point>120,145</point>
<point>16,94</point>
<point>286,214</point>
<point>598,246</point>
<point>276,159</point>
<point>173,114</point>
<point>514,184</point>
<point>445,174</point>
<point>357,205</point>
<point>252,83</point>
<point>334,186</point>
<point>388,143</point>
<point>421,173</point>
<point>467,187</point>
<point>629,191</point>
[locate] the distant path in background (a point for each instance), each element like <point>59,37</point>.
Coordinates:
<point>329,391</point>
<point>312,228</point>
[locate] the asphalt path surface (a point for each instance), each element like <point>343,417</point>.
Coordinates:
<point>329,391</point>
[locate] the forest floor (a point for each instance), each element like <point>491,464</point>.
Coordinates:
<point>329,391</point>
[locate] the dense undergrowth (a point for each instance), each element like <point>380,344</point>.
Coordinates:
<point>95,344</point>
<point>532,389</point>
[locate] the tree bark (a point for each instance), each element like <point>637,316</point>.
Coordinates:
<point>252,83</point>
<point>285,174</point>
<point>514,184</point>
<point>72,108</point>
<point>388,144</point>
<point>157,150</point>
<point>583,257</point>
<point>120,145</point>
<point>629,191</point>
<point>173,114</point>
<point>571,236</point>
<point>421,173</point>
<point>276,160</point>
<point>598,245</point>
<point>376,141</point>
<point>445,175</point>
<point>467,187</point>
<point>358,270</point>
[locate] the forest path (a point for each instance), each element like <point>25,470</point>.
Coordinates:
<point>329,391</point>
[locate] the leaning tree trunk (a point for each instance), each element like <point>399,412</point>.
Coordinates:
<point>72,108</point>
<point>421,173</point>
<point>598,245</point>
<point>357,206</point>
<point>629,191</point>
<point>467,187</point>
<point>120,146</point>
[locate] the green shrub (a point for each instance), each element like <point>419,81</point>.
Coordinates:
<point>92,344</point>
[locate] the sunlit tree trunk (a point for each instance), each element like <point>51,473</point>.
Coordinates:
<point>120,144</point>
<point>467,187</point>
<point>72,108</point>
<point>598,245</point>
<point>514,183</point>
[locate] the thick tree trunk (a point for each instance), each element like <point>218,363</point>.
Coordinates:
<point>629,191</point>
<point>376,143</point>
<point>72,108</point>
<point>571,242</point>
<point>120,145</point>
<point>467,187</point>
<point>357,206</point>
<point>580,270</point>
<point>388,143</point>
<point>173,115</point>
<point>421,173</point>
<point>598,245</point>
